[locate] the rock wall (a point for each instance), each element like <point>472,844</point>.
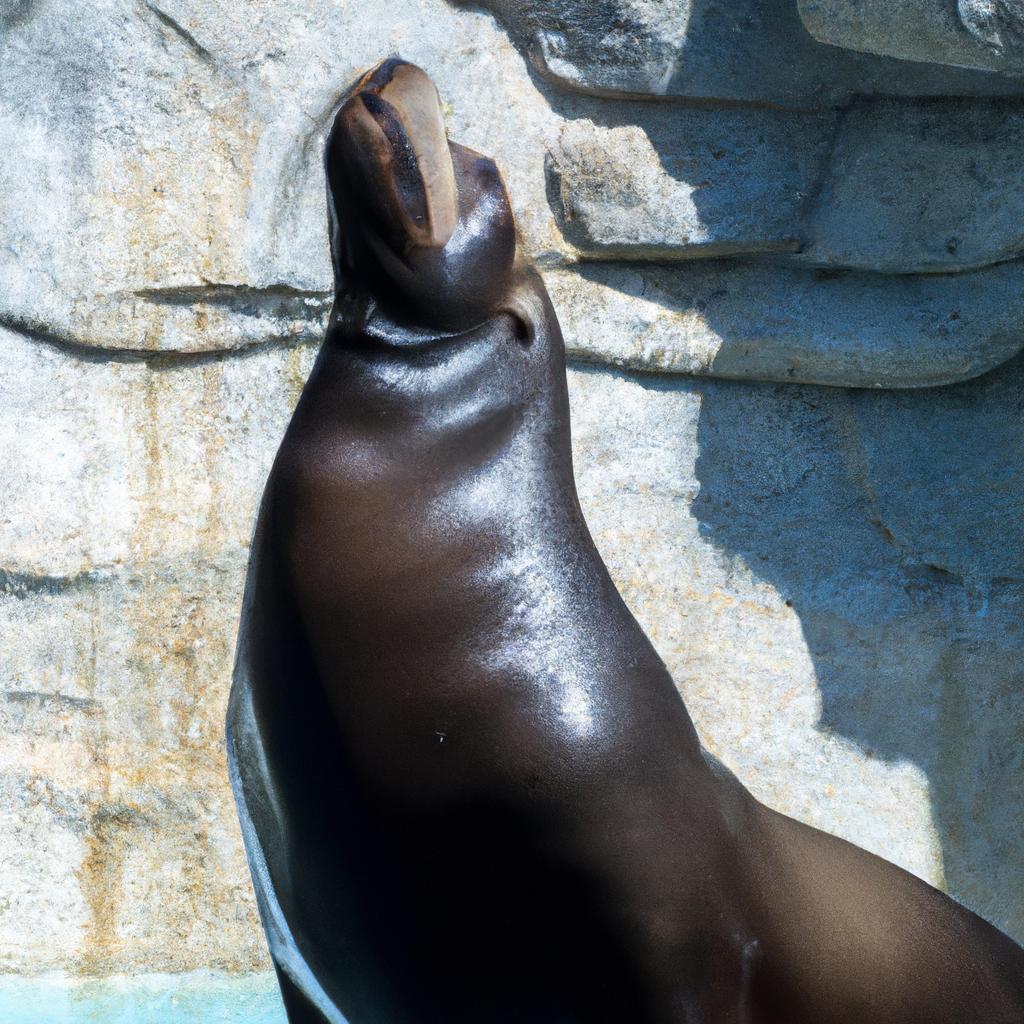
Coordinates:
<point>788,265</point>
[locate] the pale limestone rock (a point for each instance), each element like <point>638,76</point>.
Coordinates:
<point>163,187</point>
<point>687,183</point>
<point>120,848</point>
<point>897,186</point>
<point>774,323</point>
<point>121,462</point>
<point>124,534</point>
<point>985,34</point>
<point>117,241</point>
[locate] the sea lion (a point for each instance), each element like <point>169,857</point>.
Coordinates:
<point>469,790</point>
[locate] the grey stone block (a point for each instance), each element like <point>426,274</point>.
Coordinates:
<point>683,184</point>
<point>968,33</point>
<point>921,186</point>
<point>749,51</point>
<point>750,320</point>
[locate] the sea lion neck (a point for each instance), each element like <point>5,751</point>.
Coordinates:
<point>364,323</point>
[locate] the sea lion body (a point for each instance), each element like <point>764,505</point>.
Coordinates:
<point>509,760</point>
<point>469,789</point>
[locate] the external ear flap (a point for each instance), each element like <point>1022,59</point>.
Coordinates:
<point>483,198</point>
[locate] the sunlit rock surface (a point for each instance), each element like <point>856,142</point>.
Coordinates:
<point>163,187</point>
<point>124,531</point>
<point>833,574</point>
<point>761,320</point>
<point>687,183</point>
<point>891,186</point>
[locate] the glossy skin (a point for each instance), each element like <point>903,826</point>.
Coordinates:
<point>468,784</point>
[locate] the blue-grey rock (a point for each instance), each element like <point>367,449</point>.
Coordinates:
<point>968,33</point>
<point>921,186</point>
<point>752,51</point>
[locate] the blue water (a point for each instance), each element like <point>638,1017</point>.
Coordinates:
<point>199,998</point>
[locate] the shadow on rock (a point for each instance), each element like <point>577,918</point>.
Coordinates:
<point>892,522</point>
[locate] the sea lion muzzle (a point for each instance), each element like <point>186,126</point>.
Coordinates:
<point>430,217</point>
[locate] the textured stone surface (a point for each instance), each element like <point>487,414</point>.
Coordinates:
<point>163,182</point>
<point>688,183</point>
<point>743,320</point>
<point>124,531</point>
<point>120,849</point>
<point>898,186</point>
<point>833,575</point>
<point>132,461</point>
<point>753,51</point>
<point>145,215</point>
<point>968,33</point>
<point>921,186</point>
<point>128,181</point>
<point>839,602</point>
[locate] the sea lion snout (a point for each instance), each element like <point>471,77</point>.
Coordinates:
<point>421,224</point>
<point>390,134</point>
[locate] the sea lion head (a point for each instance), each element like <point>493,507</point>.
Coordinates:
<point>420,224</point>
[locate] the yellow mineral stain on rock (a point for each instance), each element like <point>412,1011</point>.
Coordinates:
<point>298,371</point>
<point>100,878</point>
<point>154,767</point>
<point>66,763</point>
<point>213,529</point>
<point>174,214</point>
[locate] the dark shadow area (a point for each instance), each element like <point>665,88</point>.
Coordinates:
<point>893,524</point>
<point>745,51</point>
